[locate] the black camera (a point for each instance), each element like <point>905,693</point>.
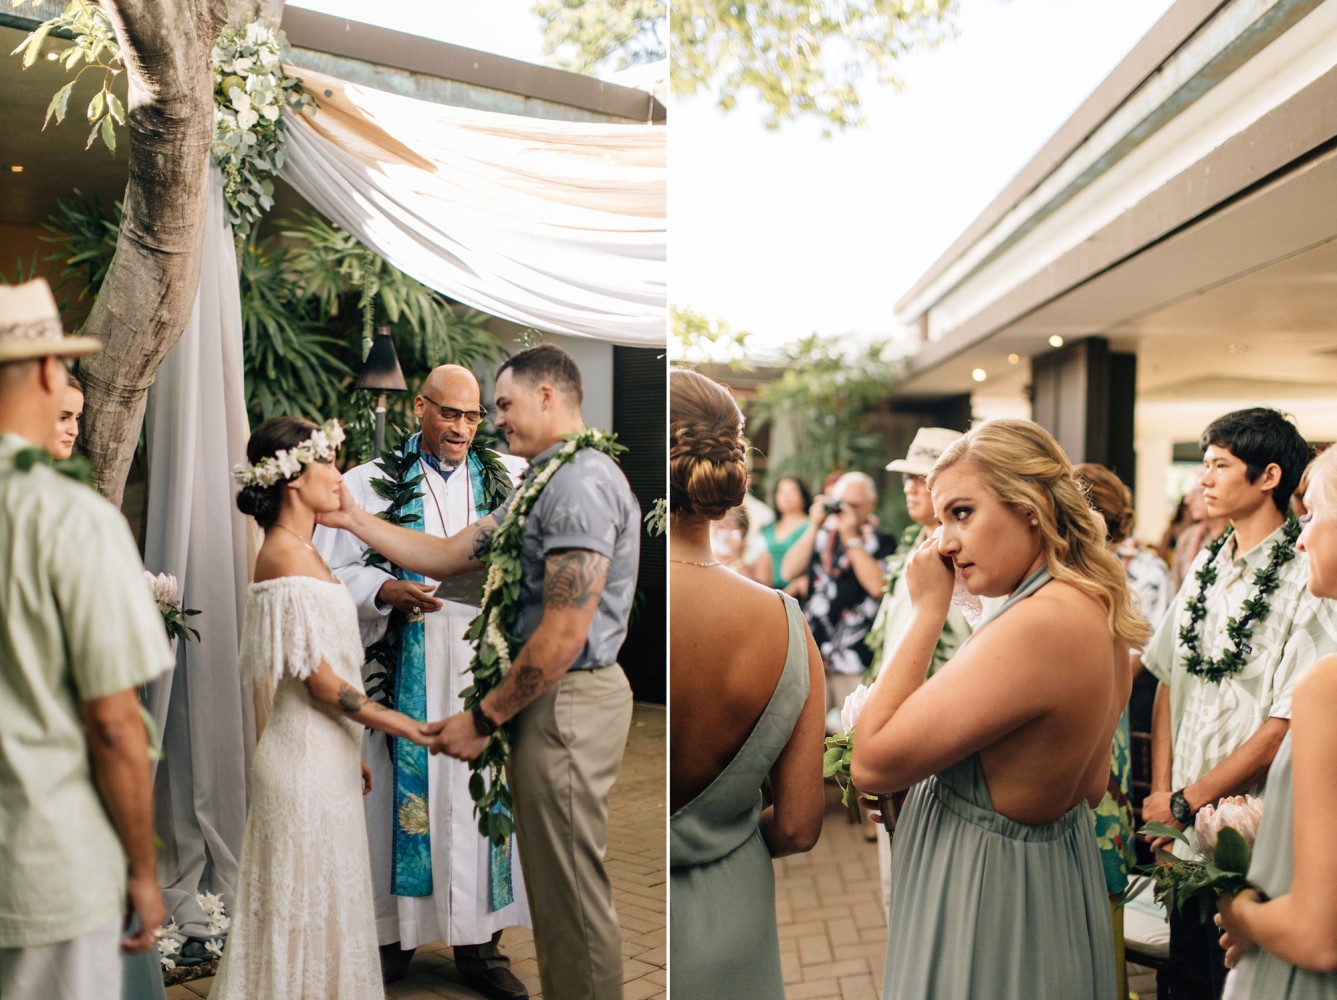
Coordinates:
<point>833,506</point>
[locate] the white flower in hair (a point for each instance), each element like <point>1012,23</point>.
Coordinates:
<point>289,463</point>
<point>320,446</point>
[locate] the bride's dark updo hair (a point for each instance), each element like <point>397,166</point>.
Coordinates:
<point>274,435</point>
<point>707,450</point>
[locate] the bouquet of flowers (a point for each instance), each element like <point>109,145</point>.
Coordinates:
<point>174,616</point>
<point>1225,834</point>
<point>840,749</point>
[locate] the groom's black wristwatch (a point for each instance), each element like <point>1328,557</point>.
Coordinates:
<point>1180,809</point>
<point>484,725</point>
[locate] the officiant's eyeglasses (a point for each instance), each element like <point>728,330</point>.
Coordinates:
<point>449,414</point>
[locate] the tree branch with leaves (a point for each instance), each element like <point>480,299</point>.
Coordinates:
<point>801,58</point>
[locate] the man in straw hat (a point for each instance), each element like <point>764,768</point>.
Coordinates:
<point>80,633</point>
<point>894,614</point>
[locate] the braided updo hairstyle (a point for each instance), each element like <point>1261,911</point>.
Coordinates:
<point>707,450</point>
<point>274,435</point>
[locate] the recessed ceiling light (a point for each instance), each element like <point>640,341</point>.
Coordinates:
<point>16,168</point>
<point>1056,341</point>
<point>52,56</point>
<point>979,374</point>
<point>1012,359</point>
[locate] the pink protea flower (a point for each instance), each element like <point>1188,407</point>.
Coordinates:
<point>1243,812</point>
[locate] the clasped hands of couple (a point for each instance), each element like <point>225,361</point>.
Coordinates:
<point>456,736</point>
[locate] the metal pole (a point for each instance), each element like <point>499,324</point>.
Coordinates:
<point>380,424</point>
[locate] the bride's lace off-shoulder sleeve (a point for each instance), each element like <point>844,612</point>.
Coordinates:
<point>294,622</point>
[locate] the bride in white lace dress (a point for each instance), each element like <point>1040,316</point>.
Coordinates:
<point>303,925</point>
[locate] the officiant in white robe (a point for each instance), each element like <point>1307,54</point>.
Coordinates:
<point>470,893</point>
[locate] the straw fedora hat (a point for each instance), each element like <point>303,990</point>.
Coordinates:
<point>929,443</point>
<point>30,326</point>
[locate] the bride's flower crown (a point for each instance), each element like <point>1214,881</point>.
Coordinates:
<point>319,447</point>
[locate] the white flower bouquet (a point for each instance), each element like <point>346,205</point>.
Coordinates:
<point>840,749</point>
<point>1225,833</point>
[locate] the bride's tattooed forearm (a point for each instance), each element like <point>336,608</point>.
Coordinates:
<point>483,542</point>
<point>572,578</point>
<point>350,700</point>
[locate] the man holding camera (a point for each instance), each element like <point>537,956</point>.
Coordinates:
<point>842,552</point>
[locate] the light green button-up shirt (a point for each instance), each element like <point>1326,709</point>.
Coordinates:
<point>77,622</point>
<point>1209,721</point>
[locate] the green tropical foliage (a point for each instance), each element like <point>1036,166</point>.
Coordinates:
<point>292,366</point>
<point>700,338</point>
<point>308,306</point>
<point>84,232</point>
<point>830,392</point>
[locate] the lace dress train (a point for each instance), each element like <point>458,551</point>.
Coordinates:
<point>303,925</point>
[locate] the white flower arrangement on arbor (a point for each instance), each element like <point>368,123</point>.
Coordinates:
<point>250,92</point>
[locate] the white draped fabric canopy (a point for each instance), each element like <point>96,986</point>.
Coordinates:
<point>556,225</point>
<point>553,225</point>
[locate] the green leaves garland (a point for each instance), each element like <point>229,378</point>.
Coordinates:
<point>1256,608</point>
<point>75,467</point>
<point>492,631</point>
<point>250,92</point>
<point>399,490</point>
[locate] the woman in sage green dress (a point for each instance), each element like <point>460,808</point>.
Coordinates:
<point>746,686</point>
<point>997,887</point>
<point>1285,948</point>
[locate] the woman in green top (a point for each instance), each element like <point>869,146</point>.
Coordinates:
<point>1282,945</point>
<point>790,501</point>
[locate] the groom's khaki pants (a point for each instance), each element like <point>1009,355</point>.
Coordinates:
<point>566,751</point>
<point>77,969</point>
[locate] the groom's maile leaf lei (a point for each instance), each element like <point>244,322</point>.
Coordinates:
<point>492,631</point>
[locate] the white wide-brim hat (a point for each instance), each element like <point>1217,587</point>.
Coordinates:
<point>929,443</point>
<point>30,326</point>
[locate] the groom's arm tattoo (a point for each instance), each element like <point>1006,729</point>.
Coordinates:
<point>527,683</point>
<point>483,541</point>
<point>572,578</point>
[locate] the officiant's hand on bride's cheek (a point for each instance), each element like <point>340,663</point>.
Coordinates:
<point>343,517</point>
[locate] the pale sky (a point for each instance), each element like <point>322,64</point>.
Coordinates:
<point>785,233</point>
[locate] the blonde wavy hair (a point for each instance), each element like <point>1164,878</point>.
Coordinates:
<point>1024,466</point>
<point>1322,474</point>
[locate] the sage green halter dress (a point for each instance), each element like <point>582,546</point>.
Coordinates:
<point>1259,973</point>
<point>722,937</point>
<point>982,906</point>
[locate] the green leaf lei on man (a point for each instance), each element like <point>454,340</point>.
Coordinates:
<point>492,631</point>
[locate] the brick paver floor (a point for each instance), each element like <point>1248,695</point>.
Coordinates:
<point>636,864</point>
<point>833,930</point>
